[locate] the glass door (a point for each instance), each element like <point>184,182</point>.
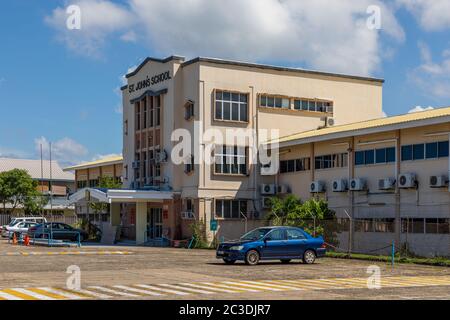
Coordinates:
<point>154,223</point>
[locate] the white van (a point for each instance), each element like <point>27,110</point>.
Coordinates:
<point>15,221</point>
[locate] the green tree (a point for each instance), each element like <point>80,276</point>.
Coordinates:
<point>282,210</point>
<point>17,188</point>
<point>104,183</point>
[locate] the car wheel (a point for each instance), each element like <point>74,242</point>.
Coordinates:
<point>309,257</point>
<point>228,261</point>
<point>252,258</point>
<point>285,261</point>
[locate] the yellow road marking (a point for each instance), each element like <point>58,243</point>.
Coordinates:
<point>19,294</point>
<point>46,293</point>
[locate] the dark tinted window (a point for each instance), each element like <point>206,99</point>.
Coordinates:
<point>277,234</point>
<point>431,150</point>
<point>293,234</point>
<point>418,151</point>
<point>369,156</point>
<point>407,153</point>
<point>359,158</point>
<point>443,149</point>
<point>390,155</point>
<point>380,156</point>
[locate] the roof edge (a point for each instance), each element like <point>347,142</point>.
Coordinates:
<point>148,59</point>
<point>278,68</point>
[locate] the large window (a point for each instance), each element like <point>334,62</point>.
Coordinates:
<point>231,106</point>
<point>274,102</point>
<point>230,160</point>
<point>231,209</point>
<point>339,160</point>
<point>295,165</point>
<point>313,105</point>
<point>377,156</point>
<point>432,150</point>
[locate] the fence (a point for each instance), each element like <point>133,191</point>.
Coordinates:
<point>6,219</point>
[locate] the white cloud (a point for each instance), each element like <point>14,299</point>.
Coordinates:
<point>321,34</point>
<point>105,156</point>
<point>99,19</point>
<point>13,153</point>
<point>420,109</point>
<point>433,15</point>
<point>66,150</point>
<point>130,36</point>
<point>431,76</point>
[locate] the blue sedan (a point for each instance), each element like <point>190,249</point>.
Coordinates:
<point>273,243</point>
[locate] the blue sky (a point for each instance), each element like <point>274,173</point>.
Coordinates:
<point>61,85</point>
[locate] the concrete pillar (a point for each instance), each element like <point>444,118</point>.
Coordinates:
<point>114,212</point>
<point>141,222</point>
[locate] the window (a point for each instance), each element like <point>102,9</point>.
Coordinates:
<point>339,160</point>
<point>189,166</point>
<point>313,105</point>
<point>189,205</point>
<point>145,113</point>
<point>189,110</point>
<point>293,234</point>
<point>93,183</point>
<point>274,102</point>
<point>125,127</point>
<point>81,184</point>
<point>378,156</point>
<point>432,150</point>
<point>158,110</point>
<point>231,209</point>
<point>138,116</point>
<point>413,225</point>
<point>230,160</point>
<point>384,225</point>
<point>295,165</point>
<point>231,106</point>
<point>277,235</point>
<point>436,225</point>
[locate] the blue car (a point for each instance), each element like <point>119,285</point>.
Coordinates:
<point>273,243</point>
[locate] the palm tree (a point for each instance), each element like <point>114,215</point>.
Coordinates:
<point>281,210</point>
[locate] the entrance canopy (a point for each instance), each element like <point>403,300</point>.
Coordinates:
<point>120,195</point>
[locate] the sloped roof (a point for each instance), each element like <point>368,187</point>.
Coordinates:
<point>33,167</point>
<point>97,163</point>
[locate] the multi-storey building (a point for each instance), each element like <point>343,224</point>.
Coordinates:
<point>203,94</point>
<point>387,177</point>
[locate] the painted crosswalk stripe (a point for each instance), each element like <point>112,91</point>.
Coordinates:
<point>47,293</point>
<point>61,293</point>
<point>240,283</point>
<point>195,285</point>
<point>273,284</point>
<point>182,288</point>
<point>223,285</point>
<point>31,293</point>
<point>89,293</point>
<point>162,289</point>
<point>335,284</point>
<point>8,296</point>
<point>114,292</point>
<point>309,284</point>
<point>288,286</point>
<point>141,291</point>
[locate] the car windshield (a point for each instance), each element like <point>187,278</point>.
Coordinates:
<point>256,234</point>
<point>13,223</point>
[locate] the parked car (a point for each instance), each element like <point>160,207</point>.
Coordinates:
<point>273,243</point>
<point>17,220</point>
<point>57,231</point>
<point>18,229</point>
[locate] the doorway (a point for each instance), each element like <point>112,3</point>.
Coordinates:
<point>154,223</point>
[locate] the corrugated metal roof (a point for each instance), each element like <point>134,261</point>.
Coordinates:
<point>369,124</point>
<point>97,163</point>
<point>33,167</point>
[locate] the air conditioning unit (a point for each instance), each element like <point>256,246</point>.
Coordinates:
<point>438,181</point>
<point>256,215</point>
<point>282,189</point>
<point>340,185</point>
<point>187,215</point>
<point>317,187</point>
<point>135,164</point>
<point>268,170</point>
<point>266,202</point>
<point>407,180</point>
<point>358,184</point>
<point>386,184</point>
<point>268,189</point>
<point>161,156</point>
<point>330,121</point>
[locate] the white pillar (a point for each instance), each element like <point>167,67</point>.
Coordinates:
<point>141,222</point>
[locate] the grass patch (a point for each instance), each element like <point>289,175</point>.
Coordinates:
<point>438,261</point>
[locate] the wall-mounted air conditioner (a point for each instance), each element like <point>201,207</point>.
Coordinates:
<point>282,189</point>
<point>407,180</point>
<point>317,187</point>
<point>358,184</point>
<point>268,189</point>
<point>266,202</point>
<point>340,185</point>
<point>438,181</point>
<point>386,184</point>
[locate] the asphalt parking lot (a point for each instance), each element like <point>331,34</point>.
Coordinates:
<point>126,272</point>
